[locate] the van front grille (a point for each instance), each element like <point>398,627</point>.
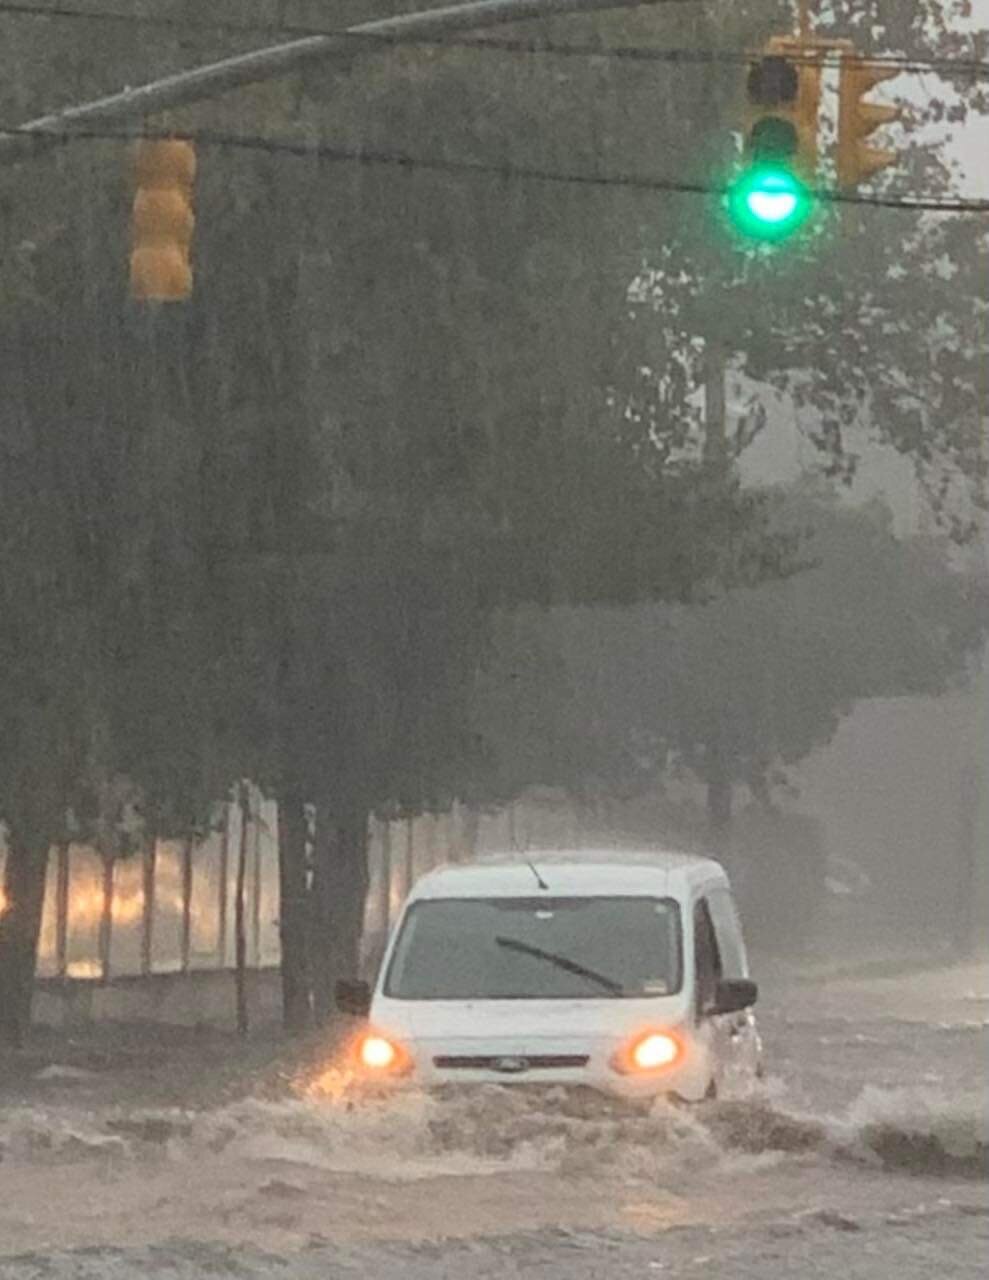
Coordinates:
<point>509,1063</point>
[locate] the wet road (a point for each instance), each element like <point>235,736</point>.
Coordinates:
<point>864,1153</point>
<point>942,1242</point>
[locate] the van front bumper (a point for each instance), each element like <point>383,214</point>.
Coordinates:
<point>571,1067</point>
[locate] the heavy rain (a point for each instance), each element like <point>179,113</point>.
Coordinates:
<point>494,607</point>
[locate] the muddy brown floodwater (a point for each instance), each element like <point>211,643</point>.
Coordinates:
<point>864,1150</point>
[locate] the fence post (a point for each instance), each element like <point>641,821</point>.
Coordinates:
<point>62,909</point>
<point>224,879</point>
<point>256,822</point>
<point>148,902</point>
<point>385,876</point>
<point>470,831</point>
<point>186,902</point>
<point>106,918</point>
<point>240,938</point>
<point>410,854</point>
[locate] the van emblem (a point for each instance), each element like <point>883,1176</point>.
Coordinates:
<point>510,1066</point>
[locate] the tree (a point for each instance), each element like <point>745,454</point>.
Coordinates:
<point>271,527</point>
<point>872,326</point>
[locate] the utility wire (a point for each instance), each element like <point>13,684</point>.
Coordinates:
<point>255,66</point>
<point>532,173</point>
<point>706,57</point>
<point>200,83</point>
<point>638,53</point>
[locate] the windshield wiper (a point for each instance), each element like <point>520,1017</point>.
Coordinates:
<point>562,962</point>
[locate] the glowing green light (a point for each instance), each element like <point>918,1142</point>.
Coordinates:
<point>769,202</point>
<point>771,206</point>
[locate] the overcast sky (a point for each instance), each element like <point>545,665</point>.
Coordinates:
<point>971,144</point>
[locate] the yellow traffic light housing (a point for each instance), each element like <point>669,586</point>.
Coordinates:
<point>163,221</point>
<point>773,195</point>
<point>783,99</point>
<point>857,119</point>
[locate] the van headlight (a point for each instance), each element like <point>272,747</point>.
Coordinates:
<point>649,1053</point>
<point>381,1055</point>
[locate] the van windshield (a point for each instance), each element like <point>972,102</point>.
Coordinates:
<point>537,949</point>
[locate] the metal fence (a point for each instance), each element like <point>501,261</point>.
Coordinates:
<point>171,908</point>
<point>167,909</point>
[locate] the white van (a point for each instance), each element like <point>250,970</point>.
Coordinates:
<point>621,971</point>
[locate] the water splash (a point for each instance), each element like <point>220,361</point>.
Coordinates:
<point>331,1125</point>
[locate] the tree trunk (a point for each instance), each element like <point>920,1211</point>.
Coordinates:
<point>715,448</point>
<point>240,930</point>
<point>20,925</point>
<point>293,910</point>
<point>340,886</point>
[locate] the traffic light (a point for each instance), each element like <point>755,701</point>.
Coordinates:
<point>783,98</point>
<point>162,220</point>
<point>857,119</point>
<point>783,94</point>
<point>769,203</point>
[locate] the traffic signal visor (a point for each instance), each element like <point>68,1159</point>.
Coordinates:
<point>163,221</point>
<point>857,119</point>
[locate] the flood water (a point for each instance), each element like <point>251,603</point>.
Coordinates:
<point>868,1138</point>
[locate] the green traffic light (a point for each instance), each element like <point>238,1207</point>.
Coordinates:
<point>769,203</point>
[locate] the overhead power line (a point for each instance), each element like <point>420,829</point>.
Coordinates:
<point>521,172</point>
<point>209,81</point>
<point>707,57</point>
<point>568,49</point>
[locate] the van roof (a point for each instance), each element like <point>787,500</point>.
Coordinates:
<point>571,872</point>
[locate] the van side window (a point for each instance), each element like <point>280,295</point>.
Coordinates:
<point>728,932</point>
<point>707,961</point>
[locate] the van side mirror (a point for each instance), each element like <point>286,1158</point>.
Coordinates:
<point>733,994</point>
<point>354,997</point>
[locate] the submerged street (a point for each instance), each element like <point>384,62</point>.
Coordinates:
<point>864,1151</point>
